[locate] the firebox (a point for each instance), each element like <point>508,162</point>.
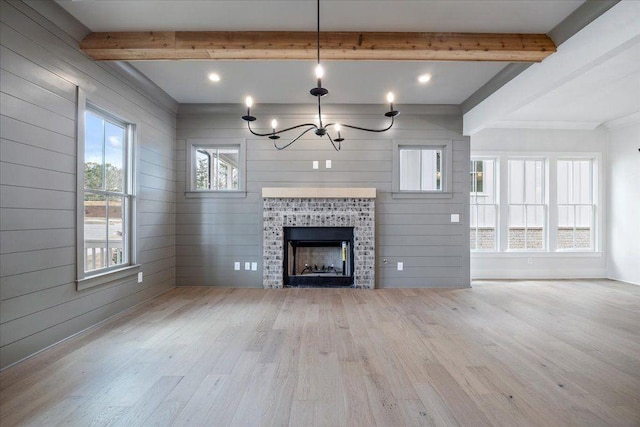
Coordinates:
<point>318,256</point>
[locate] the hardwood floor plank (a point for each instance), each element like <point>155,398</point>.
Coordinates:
<point>505,353</point>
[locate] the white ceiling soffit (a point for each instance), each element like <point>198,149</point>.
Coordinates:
<point>525,16</point>
<point>592,79</point>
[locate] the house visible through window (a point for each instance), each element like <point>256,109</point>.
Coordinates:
<point>575,204</point>
<point>107,192</point>
<point>527,204</point>
<point>420,169</point>
<point>216,168</point>
<point>484,205</point>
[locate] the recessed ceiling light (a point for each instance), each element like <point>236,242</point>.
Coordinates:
<point>214,77</point>
<point>424,78</point>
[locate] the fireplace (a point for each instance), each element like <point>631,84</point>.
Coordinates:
<point>303,210</point>
<point>318,256</point>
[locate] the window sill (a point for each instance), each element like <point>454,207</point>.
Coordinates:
<point>107,277</point>
<point>215,194</point>
<point>421,195</point>
<point>532,254</point>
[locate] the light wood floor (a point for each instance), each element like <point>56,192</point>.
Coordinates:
<point>523,353</point>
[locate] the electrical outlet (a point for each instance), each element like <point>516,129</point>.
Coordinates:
<point>140,277</point>
<point>315,164</point>
<point>400,266</point>
<point>236,265</point>
<point>247,266</point>
<point>529,261</point>
<point>327,164</point>
<point>254,266</point>
<point>455,217</point>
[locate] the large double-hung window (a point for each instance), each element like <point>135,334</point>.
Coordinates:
<point>483,205</point>
<point>576,209</point>
<point>527,204</point>
<point>107,194</point>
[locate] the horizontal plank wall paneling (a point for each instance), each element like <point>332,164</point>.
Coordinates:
<point>213,233</point>
<point>40,69</point>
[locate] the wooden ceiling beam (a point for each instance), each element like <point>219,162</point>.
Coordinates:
<point>295,45</point>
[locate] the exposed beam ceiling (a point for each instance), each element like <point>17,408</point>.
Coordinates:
<point>296,45</point>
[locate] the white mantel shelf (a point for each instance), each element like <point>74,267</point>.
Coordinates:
<point>318,193</point>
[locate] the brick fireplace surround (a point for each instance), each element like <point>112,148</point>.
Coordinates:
<point>319,207</point>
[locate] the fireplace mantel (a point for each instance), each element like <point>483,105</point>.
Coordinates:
<point>318,193</point>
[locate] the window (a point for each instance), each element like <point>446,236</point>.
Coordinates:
<point>575,205</point>
<point>217,168</point>
<point>214,167</point>
<point>420,169</point>
<point>527,208</point>
<point>484,205</point>
<point>106,193</point>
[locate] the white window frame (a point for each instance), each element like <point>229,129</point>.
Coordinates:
<point>89,279</point>
<point>446,165</point>
<point>544,204</point>
<point>551,159</point>
<point>193,145</point>
<point>496,204</point>
<point>593,185</point>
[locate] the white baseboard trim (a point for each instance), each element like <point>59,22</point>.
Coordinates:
<point>623,281</point>
<point>542,274</point>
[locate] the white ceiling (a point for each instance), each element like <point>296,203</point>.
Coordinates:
<point>348,82</point>
<point>605,92</point>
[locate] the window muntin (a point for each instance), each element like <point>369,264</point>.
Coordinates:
<point>421,169</point>
<point>526,203</point>
<point>483,205</point>
<point>216,168</point>
<point>576,210</point>
<point>107,198</point>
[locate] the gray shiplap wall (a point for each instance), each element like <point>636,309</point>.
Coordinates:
<point>212,233</point>
<point>40,69</point>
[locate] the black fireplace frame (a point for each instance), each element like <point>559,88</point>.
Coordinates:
<point>317,236</point>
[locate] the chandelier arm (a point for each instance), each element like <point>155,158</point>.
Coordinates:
<point>280,131</point>
<point>291,142</point>
<point>369,130</point>
<point>333,143</point>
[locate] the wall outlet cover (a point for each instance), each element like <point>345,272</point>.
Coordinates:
<point>247,266</point>
<point>327,164</point>
<point>455,217</point>
<point>254,266</point>
<point>236,265</point>
<point>140,277</point>
<point>315,164</point>
<point>400,266</point>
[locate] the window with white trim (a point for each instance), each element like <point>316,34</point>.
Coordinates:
<point>420,169</point>
<point>527,204</point>
<point>215,167</point>
<point>107,193</point>
<point>576,208</point>
<point>483,205</point>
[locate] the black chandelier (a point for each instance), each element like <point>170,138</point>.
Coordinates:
<point>321,129</point>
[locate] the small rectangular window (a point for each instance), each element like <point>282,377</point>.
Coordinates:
<point>420,169</point>
<point>215,167</point>
<point>527,204</point>
<point>576,210</point>
<point>108,193</point>
<point>483,205</point>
